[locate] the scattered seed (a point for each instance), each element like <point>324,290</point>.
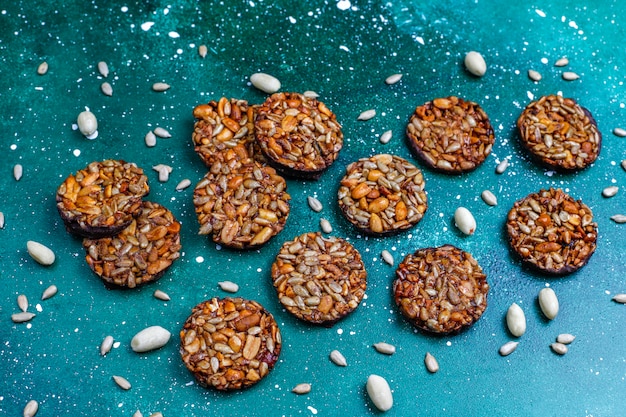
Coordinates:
<point>42,68</point>
<point>202,51</point>
<point>387,257</point>
<point>337,358</point>
<point>516,320</point>
<point>431,363</point>
<point>623,164</point>
<point>228,286</point>
<point>475,63</point>
<point>489,198</point>
<point>303,388</point>
<point>565,338</point>
<point>326,226</point>
<point>106,345</point>
<point>150,338</point>
<point>385,137</point>
<point>618,131</point>
<point>385,348</point>
<point>464,221</point>
<point>610,191</point>
<point>137,414</point>
<point>22,317</point>
<point>310,94</point>
<point>31,408</point>
<point>150,139</point>
<point>106,89</point>
<point>40,253</point>
<point>367,114</point>
<point>534,75</point>
<point>121,382</point>
<point>559,348</point>
<point>160,295</point>
<point>392,79</point>
<point>619,218</point>
<point>570,76</point>
<point>561,62</point>
<point>103,69</point>
<point>549,303</point>
<point>265,82</point>
<point>49,292</point>
<point>183,184</point>
<point>508,348</point>
<point>22,302</point>
<point>162,133</point>
<point>315,204</point>
<point>160,87</point>
<point>87,124</point>
<point>18,171</point>
<point>164,172</point>
<point>620,298</point>
<point>502,166</point>
<point>379,392</point>
<point>1,220</point>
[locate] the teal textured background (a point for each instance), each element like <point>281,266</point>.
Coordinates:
<point>344,51</point>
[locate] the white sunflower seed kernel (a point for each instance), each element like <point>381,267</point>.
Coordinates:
<point>570,76</point>
<point>384,348</point>
<point>315,204</point>
<point>464,221</point>
<point>160,295</point>
<point>326,226</point>
<point>18,171</point>
<point>366,115</point>
<point>565,338</point>
<point>561,62</point>
<point>475,63</point>
<point>157,414</point>
<point>137,414</point>
<point>87,124</point>
<point>489,198</point>
<point>379,392</point>
<point>387,257</point>
<point>534,75</point>
<point>392,79</point>
<point>31,408</point>
<point>22,317</point>
<point>121,382</point>
<point>549,303</point>
<point>431,363</point>
<point>162,133</point>
<point>310,94</point>
<point>300,389</point>
<point>337,358</point>
<point>164,172</point>
<point>265,82</point>
<point>150,338</point>
<point>1,220</point>
<point>228,286</point>
<point>385,137</point>
<point>183,184</point>
<point>516,320</point>
<point>508,348</point>
<point>42,68</point>
<point>40,253</point>
<point>202,51</point>
<point>502,166</point>
<point>160,87</point>
<point>106,345</point>
<point>559,348</point>
<point>103,69</point>
<point>150,139</point>
<point>618,131</point>
<point>49,292</point>
<point>619,218</point>
<point>619,298</point>
<point>106,89</point>
<point>610,191</point>
<point>22,302</point>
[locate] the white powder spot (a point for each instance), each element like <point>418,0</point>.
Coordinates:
<point>173,35</point>
<point>292,19</point>
<point>339,331</point>
<point>76,152</point>
<point>573,24</point>
<point>124,9</point>
<point>530,95</point>
<point>259,270</point>
<point>448,343</point>
<point>13,147</point>
<point>190,383</point>
<point>116,345</point>
<point>199,259</point>
<point>343,4</point>
<point>540,12</point>
<point>179,51</point>
<point>419,40</point>
<point>344,48</point>
<point>313,410</point>
<point>544,60</point>
<point>39,88</point>
<point>29,326</point>
<point>147,25</point>
<point>39,308</point>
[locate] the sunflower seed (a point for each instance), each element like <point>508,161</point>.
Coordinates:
<point>367,114</point>
<point>106,89</point>
<point>150,139</point>
<point>618,131</point>
<point>137,414</point>
<point>431,363</point>
<point>310,94</point>
<point>49,292</point>
<point>228,286</point>
<point>502,166</point>
<point>565,338</point>
<point>619,298</point>
<point>516,320</point>
<point>619,218</point>
<point>164,172</point>
<point>1,220</point>
<point>121,382</point>
<point>475,63</point>
<point>22,302</point>
<point>385,137</point>
<point>88,124</point>
<point>40,253</point>
<point>549,303</point>
<point>303,388</point>
<point>18,170</point>
<point>103,69</point>
<point>337,358</point>
<point>315,204</point>
<point>31,408</point>
<point>570,76</point>
<point>392,79</point>
<point>379,392</point>
<point>559,348</point>
<point>150,338</point>
<point>160,87</point>
<point>42,68</point>
<point>384,348</point>
<point>489,198</point>
<point>22,317</point>
<point>561,62</point>
<point>202,51</point>
<point>160,295</point>
<point>610,191</point>
<point>265,82</point>
<point>464,221</point>
<point>106,345</point>
<point>534,75</point>
<point>162,133</point>
<point>508,348</point>
<point>157,414</point>
<point>326,226</point>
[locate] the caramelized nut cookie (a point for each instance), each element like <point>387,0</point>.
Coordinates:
<point>319,279</point>
<point>552,232</point>
<point>450,134</point>
<point>382,194</point>
<point>229,343</point>
<point>141,253</point>
<point>441,290</point>
<point>101,199</point>
<point>560,133</point>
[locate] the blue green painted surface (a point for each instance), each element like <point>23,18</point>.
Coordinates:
<point>344,54</point>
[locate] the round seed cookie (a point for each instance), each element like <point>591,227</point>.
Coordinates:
<point>298,135</point>
<point>450,134</point>
<point>382,194</point>
<point>552,232</point>
<point>319,279</point>
<point>141,253</point>
<point>441,290</point>
<point>101,199</point>
<point>225,124</point>
<point>560,133</point>
<point>241,203</point>
<point>229,343</point>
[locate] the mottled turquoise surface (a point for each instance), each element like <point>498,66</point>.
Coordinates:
<point>344,52</point>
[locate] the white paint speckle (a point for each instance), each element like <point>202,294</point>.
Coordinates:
<point>173,35</point>
<point>147,25</point>
<point>339,331</point>
<point>199,259</point>
<point>76,152</point>
<point>540,12</point>
<point>530,95</point>
<point>544,60</point>
<point>124,9</point>
<point>13,147</point>
<point>312,410</point>
<point>343,4</point>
